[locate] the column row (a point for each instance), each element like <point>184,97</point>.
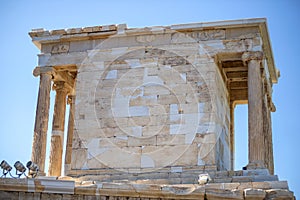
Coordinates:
<point>41,124</point>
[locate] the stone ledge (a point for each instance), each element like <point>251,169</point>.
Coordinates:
<point>249,190</point>
<point>71,31</point>
<point>37,185</point>
<point>40,32</point>
<point>175,175</point>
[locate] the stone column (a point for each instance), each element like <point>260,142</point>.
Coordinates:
<point>58,124</point>
<point>267,126</point>
<point>68,156</point>
<point>256,144</point>
<point>41,120</point>
<point>268,107</point>
<point>232,147</point>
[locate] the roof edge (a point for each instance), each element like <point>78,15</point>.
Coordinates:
<point>42,36</point>
<point>267,48</point>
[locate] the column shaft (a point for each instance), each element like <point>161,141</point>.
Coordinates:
<point>267,126</point>
<point>58,124</point>
<point>255,113</point>
<point>232,147</point>
<point>68,155</point>
<point>41,122</point>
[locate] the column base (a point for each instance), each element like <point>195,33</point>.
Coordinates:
<point>255,165</point>
<point>40,173</point>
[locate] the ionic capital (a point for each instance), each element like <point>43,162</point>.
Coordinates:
<point>42,70</point>
<point>60,86</point>
<point>252,55</point>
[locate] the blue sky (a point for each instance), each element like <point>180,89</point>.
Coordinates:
<point>18,58</point>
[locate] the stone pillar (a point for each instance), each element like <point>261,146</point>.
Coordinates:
<point>68,156</point>
<point>232,147</point>
<point>256,140</point>
<point>268,107</point>
<point>58,124</point>
<point>41,120</point>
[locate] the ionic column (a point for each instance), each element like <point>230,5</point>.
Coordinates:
<point>232,148</point>
<point>68,156</point>
<point>57,137</point>
<point>268,107</point>
<point>41,120</point>
<point>256,144</point>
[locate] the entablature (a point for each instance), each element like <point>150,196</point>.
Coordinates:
<point>221,30</point>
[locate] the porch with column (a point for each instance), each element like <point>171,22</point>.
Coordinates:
<point>246,81</point>
<point>63,84</point>
<point>256,136</point>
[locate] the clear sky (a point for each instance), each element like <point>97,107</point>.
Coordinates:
<point>18,58</point>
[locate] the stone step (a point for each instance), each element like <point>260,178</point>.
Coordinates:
<point>188,176</point>
<point>240,179</point>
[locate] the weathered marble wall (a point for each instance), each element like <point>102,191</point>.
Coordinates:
<point>151,101</point>
<point>141,109</point>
